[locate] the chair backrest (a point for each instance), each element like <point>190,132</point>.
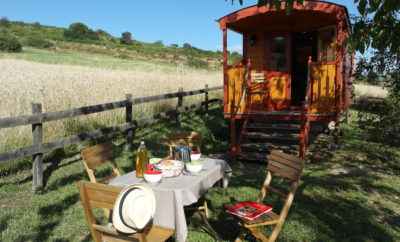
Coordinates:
<point>193,139</point>
<point>95,195</point>
<point>187,136</point>
<point>288,167</point>
<point>284,165</point>
<point>97,155</point>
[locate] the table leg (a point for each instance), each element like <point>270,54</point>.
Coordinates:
<point>225,179</point>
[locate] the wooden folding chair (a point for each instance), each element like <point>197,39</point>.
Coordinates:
<point>192,139</point>
<point>103,196</point>
<point>289,168</point>
<point>95,156</point>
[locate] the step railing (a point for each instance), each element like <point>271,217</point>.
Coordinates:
<point>305,115</point>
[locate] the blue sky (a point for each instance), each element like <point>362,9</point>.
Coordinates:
<point>172,21</point>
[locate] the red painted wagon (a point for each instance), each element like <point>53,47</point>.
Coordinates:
<point>296,67</point>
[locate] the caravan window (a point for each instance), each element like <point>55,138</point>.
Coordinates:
<point>326,44</point>
<point>278,61</point>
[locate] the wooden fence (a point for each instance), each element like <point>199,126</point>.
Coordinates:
<point>37,119</point>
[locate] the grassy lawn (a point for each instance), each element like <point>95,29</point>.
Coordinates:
<point>348,194</point>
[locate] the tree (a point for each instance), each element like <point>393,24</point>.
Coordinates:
<point>159,43</point>
<point>187,46</point>
<point>79,31</point>
<point>9,43</point>
<point>37,41</point>
<point>36,25</point>
<point>126,38</point>
<point>4,22</point>
<point>377,30</point>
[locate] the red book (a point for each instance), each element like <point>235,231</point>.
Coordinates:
<point>248,210</point>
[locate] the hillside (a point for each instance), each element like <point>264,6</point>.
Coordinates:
<point>36,35</point>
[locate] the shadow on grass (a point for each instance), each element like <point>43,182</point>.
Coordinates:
<point>4,223</point>
<point>50,218</point>
<point>338,207</point>
<point>338,218</point>
<point>54,161</point>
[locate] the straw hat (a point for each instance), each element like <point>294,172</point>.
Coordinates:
<point>134,209</point>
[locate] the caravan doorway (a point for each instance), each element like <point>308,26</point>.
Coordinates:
<point>303,45</point>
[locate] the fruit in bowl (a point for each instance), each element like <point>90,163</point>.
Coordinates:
<point>195,155</point>
<point>152,175</point>
<point>194,167</point>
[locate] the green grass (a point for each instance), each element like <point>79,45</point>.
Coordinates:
<point>348,194</point>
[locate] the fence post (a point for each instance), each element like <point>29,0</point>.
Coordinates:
<point>129,120</point>
<point>180,103</point>
<point>206,98</point>
<point>37,135</point>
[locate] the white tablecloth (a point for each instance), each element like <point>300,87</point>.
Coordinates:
<point>172,194</point>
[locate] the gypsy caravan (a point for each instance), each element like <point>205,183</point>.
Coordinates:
<point>295,73</point>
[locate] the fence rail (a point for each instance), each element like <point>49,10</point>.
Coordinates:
<point>54,116</point>
<point>37,119</point>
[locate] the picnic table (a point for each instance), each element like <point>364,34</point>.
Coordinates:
<point>173,194</point>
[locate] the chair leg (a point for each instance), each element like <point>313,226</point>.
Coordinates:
<point>206,209</point>
<point>142,237</point>
<point>107,214</point>
<point>241,235</point>
<point>258,234</point>
<point>240,238</point>
<point>276,231</point>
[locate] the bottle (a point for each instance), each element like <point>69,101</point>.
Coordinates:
<point>142,159</point>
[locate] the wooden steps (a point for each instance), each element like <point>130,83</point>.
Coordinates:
<point>255,157</point>
<point>284,127</point>
<point>259,136</point>
<point>274,135</point>
<point>265,147</point>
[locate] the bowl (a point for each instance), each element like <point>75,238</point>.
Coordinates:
<point>194,167</point>
<point>170,168</point>
<point>152,176</point>
<point>195,156</point>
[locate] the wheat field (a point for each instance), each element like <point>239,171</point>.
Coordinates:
<point>60,87</point>
<point>366,91</point>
